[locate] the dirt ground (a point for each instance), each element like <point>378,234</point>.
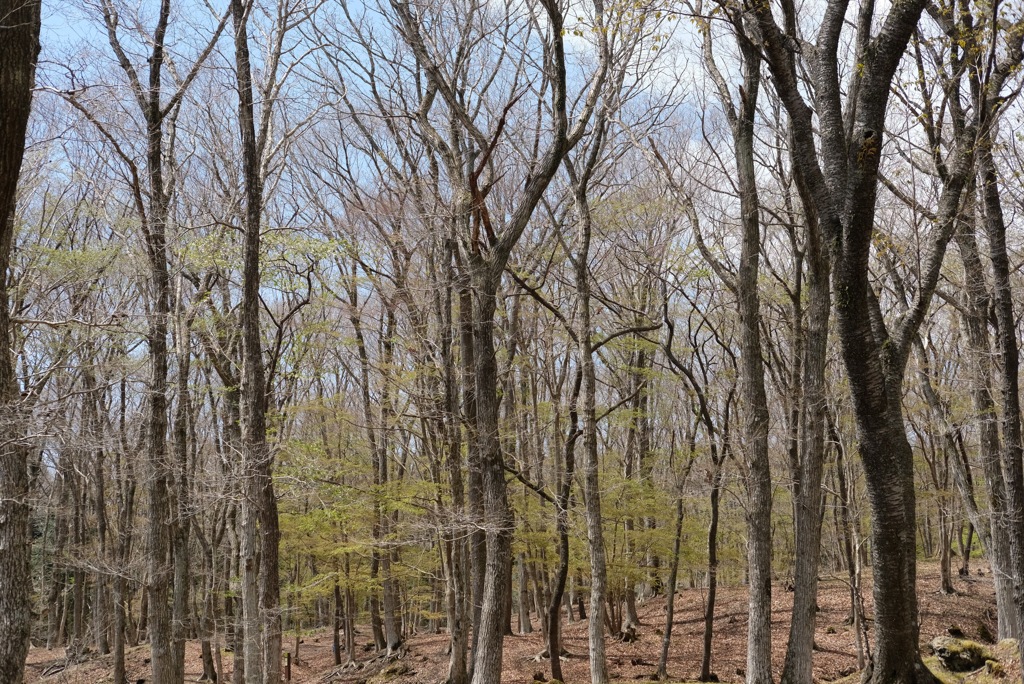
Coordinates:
<point>835,656</point>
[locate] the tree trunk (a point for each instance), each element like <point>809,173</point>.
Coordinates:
<point>160,575</point>
<point>336,620</point>
<point>591,463</point>
<point>945,556</point>
<point>119,629</point>
<point>125,482</point>
<point>180,613</point>
<point>966,548</point>
<point>709,609</point>
<point>350,622</point>
<point>670,594</point>
<point>100,607</point>
<point>457,591</point>
<point>1008,365</point>
<point>836,169</point>
<point>797,667</point>
<point>19,34</point>
<point>523,606</point>
<point>755,401</point>
<point>850,550</point>
<point>554,609</point>
<point>995,532</point>
<point>497,515</point>
<point>261,587</point>
<point>741,120</point>
<point>474,492</point>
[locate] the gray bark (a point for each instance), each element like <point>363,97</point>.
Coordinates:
<point>741,118</point>
<point>19,34</point>
<point>838,179</point>
<point>260,534</point>
<point>1008,358</point>
<point>565,478</point>
<point>670,594</point>
<point>993,533</point>
<point>591,463</point>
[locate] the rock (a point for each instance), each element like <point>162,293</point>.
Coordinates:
<point>960,655</point>
<point>396,669</point>
<point>994,668</point>
<point>390,672</point>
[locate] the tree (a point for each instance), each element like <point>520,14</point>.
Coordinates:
<point>837,178</point>
<point>741,117</point>
<point>485,245</point>
<point>260,530</point>
<point>19,32</point>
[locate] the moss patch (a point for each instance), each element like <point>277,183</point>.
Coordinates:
<point>960,655</point>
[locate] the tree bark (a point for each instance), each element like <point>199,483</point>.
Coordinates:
<point>709,608</point>
<point>19,34</point>
<point>1008,363</point>
<point>261,587</point>
<point>554,609</point>
<point>994,534</point>
<point>457,588</point>
<point>755,400</point>
<point>125,481</point>
<point>497,515</point>
<point>670,591</point>
<point>797,667</point>
<point>837,176</point>
<point>741,117</point>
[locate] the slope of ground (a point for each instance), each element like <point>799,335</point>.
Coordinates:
<point>971,610</point>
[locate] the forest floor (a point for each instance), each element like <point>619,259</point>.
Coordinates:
<point>971,609</point>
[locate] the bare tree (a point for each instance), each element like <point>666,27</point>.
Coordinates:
<point>486,245</point>
<point>837,177</point>
<point>19,33</point>
<point>260,532</point>
<point>152,189</point>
